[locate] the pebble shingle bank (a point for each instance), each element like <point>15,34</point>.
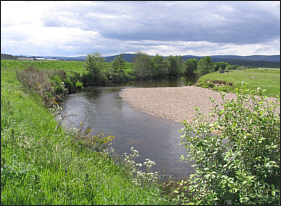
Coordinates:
<point>174,103</point>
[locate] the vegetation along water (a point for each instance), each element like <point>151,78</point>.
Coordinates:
<point>43,163</point>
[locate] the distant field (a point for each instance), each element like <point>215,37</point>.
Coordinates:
<point>67,66</point>
<point>265,78</point>
<point>63,65</point>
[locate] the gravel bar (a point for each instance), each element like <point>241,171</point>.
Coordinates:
<point>174,103</point>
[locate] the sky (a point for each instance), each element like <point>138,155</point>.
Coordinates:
<point>199,28</point>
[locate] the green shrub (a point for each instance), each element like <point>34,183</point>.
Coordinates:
<point>79,84</point>
<point>37,81</point>
<point>199,84</point>
<point>241,163</point>
<point>207,85</point>
<point>49,95</point>
<point>57,84</point>
<point>68,83</point>
<point>58,89</point>
<point>57,79</point>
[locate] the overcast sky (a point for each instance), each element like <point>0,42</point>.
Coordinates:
<point>60,28</point>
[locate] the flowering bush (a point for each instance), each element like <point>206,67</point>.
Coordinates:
<point>242,164</point>
<point>83,138</point>
<point>140,177</point>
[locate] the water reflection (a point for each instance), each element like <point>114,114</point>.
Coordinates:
<point>155,138</point>
<point>169,82</point>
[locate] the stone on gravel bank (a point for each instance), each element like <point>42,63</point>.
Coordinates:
<point>174,103</point>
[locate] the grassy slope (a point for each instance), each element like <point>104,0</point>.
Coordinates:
<point>266,78</point>
<point>63,65</point>
<point>42,166</point>
<point>67,66</point>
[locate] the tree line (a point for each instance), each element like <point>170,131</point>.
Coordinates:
<point>144,66</point>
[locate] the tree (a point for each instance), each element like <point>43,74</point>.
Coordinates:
<point>174,65</point>
<point>159,67</point>
<point>94,65</point>
<point>221,65</point>
<point>190,66</point>
<point>142,65</point>
<point>231,67</point>
<point>180,63</point>
<point>118,66</point>
<point>205,65</point>
<point>240,165</point>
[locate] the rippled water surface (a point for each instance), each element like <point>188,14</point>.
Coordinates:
<point>155,138</point>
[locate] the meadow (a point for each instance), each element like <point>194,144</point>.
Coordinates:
<point>67,66</point>
<point>265,78</point>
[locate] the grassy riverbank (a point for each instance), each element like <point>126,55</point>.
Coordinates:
<point>265,78</point>
<point>42,165</point>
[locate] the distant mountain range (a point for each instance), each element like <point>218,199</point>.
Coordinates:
<point>216,58</point>
<point>253,60</point>
<point>272,61</point>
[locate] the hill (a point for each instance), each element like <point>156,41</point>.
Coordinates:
<point>272,61</point>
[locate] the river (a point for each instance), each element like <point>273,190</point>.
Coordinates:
<point>155,138</point>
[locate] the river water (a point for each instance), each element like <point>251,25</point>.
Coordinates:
<point>155,138</point>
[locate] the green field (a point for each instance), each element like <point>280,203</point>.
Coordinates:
<point>265,78</point>
<point>76,66</point>
<point>63,65</point>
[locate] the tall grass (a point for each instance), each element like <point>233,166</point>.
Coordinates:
<point>40,164</point>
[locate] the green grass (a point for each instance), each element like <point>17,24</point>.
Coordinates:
<point>63,65</point>
<point>265,78</point>
<point>41,165</point>
<point>67,66</point>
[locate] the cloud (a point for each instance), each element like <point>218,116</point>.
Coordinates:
<point>168,27</point>
<point>43,40</point>
<point>225,22</point>
<point>213,23</point>
<point>270,47</point>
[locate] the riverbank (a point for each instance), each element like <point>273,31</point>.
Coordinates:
<point>41,164</point>
<point>174,103</point>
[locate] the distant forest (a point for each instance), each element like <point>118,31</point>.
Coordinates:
<point>8,56</point>
<point>233,60</point>
<point>264,64</point>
